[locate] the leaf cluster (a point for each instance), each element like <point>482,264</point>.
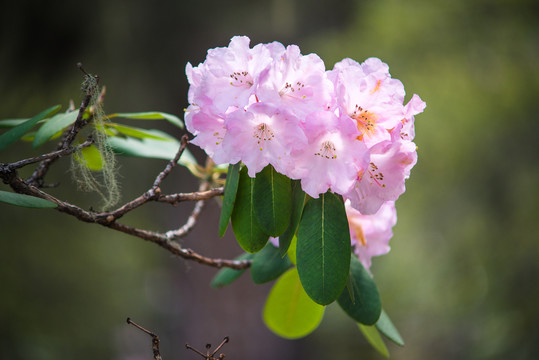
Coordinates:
<point>313,264</point>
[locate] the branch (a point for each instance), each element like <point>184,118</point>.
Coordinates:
<point>174,199</point>
<point>172,163</point>
<point>9,175</point>
<point>191,221</point>
<point>41,170</point>
<point>52,155</point>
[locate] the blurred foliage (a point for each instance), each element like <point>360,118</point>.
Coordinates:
<point>461,280</point>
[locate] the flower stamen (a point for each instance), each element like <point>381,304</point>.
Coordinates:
<point>327,150</point>
<point>263,133</point>
<point>376,175</point>
<point>240,79</point>
<point>293,90</point>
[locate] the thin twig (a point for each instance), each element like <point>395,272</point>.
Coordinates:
<point>52,155</point>
<point>69,135</point>
<point>153,193</point>
<point>194,196</point>
<point>208,355</point>
<point>172,163</point>
<point>191,221</point>
<point>155,339</point>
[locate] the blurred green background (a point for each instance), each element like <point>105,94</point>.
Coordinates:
<point>461,279</point>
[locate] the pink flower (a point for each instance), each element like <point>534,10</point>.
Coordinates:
<point>295,82</point>
<point>332,158</point>
<point>414,107</point>
<point>209,131</point>
<point>368,95</point>
<point>229,76</point>
<point>383,180</point>
<point>274,241</point>
<point>370,234</point>
<point>262,135</point>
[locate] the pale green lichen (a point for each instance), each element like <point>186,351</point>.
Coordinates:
<point>104,181</point>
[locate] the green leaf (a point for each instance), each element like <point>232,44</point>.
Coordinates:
<point>386,327</point>
<point>152,115</point>
<point>289,312</point>
<point>323,248</point>
<point>14,134</point>
<point>229,197</point>
<point>52,126</point>
<point>272,204</point>
<point>268,264</point>
<point>91,158</point>
<point>227,276</point>
<point>366,305</point>
<point>250,235</point>
<point>28,137</point>
<point>25,200</point>
<point>151,148</point>
<point>136,132</point>
<point>373,337</point>
<point>292,250</point>
<point>298,202</point>
<point>9,123</point>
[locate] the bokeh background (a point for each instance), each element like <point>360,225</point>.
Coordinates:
<point>461,279</point>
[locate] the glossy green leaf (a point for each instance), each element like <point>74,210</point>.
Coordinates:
<point>298,202</point>
<point>373,337</point>
<point>151,148</point>
<point>289,312</point>
<point>272,201</point>
<point>365,306</point>
<point>250,235</point>
<point>323,248</point>
<point>227,276</point>
<point>91,158</point>
<point>152,115</point>
<point>229,197</point>
<point>387,328</point>
<point>52,126</point>
<point>14,134</point>
<point>136,132</point>
<point>25,200</point>
<point>268,264</point>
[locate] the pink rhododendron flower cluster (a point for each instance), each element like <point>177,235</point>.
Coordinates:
<point>346,130</point>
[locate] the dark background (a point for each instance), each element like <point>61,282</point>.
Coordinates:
<point>461,279</point>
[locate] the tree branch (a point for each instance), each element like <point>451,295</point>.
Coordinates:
<point>31,186</point>
<point>8,174</point>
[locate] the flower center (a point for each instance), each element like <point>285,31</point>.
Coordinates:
<point>366,121</point>
<point>327,150</point>
<point>240,79</point>
<point>263,132</point>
